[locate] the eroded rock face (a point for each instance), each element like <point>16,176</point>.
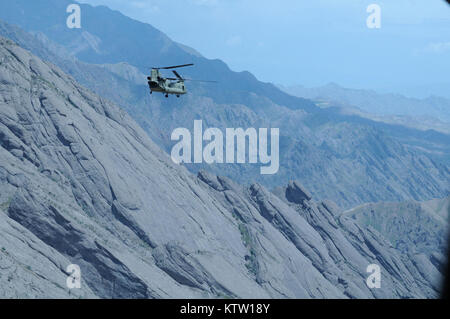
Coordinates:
<point>81,183</point>
<point>416,229</point>
<point>336,154</point>
<point>296,193</point>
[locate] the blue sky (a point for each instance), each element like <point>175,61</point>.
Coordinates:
<point>312,43</point>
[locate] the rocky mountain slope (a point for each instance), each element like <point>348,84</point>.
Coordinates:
<point>411,227</point>
<point>346,158</point>
<point>81,183</point>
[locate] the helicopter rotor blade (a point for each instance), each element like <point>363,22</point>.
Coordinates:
<point>192,80</point>
<point>177,75</point>
<point>174,67</point>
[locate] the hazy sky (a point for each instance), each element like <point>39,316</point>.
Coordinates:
<point>313,42</point>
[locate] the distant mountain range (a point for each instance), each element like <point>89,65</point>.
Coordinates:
<point>81,183</point>
<point>429,113</point>
<point>412,227</point>
<point>348,158</point>
<point>85,177</point>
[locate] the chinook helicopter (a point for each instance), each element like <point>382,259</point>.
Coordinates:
<point>158,83</point>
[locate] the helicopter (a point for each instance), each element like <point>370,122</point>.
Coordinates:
<point>176,86</point>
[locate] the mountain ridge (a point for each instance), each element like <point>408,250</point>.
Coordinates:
<point>144,42</point>
<point>86,184</point>
<point>317,144</point>
<point>429,110</point>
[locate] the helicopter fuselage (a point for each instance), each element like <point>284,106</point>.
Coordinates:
<point>157,83</point>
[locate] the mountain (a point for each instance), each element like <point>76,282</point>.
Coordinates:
<point>411,227</point>
<point>105,33</point>
<point>81,183</point>
<point>434,110</point>
<point>342,156</point>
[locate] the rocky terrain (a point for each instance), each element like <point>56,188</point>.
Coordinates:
<point>411,227</point>
<point>346,157</point>
<point>82,183</point>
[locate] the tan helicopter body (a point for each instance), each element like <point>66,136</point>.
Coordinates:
<point>158,83</point>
